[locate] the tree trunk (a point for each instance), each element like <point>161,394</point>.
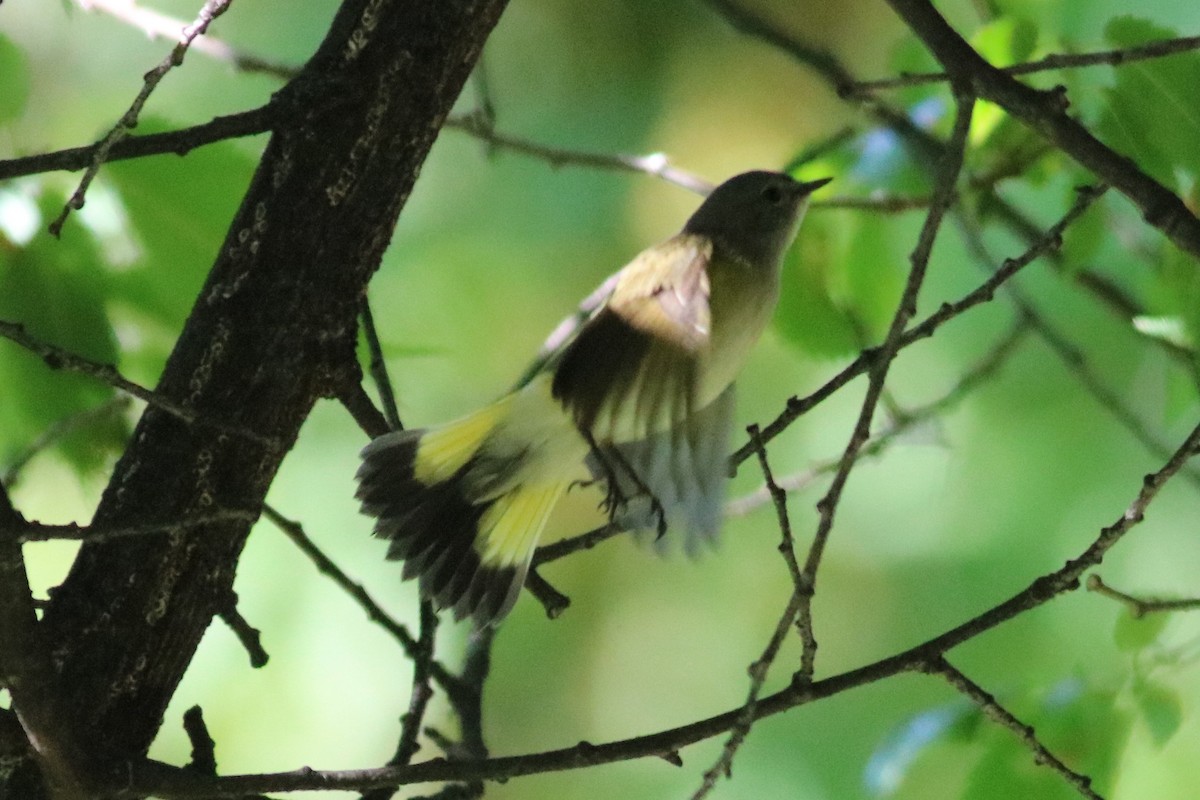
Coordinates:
<point>273,330</point>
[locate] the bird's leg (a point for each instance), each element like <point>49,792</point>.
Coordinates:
<point>610,461</point>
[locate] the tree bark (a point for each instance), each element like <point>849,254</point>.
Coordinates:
<point>273,330</point>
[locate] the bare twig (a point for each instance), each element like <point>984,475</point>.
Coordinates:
<point>759,669</point>
<point>1072,357</point>
<point>249,636</point>
<point>552,600</point>
<point>113,407</point>
<point>752,24</point>
<point>171,783</point>
<point>208,12</point>
<point>375,612</point>
<point>41,532</point>
<point>1046,112</point>
<point>797,407</point>
<point>900,423</point>
<point>180,142</point>
<point>422,692</point>
<point>882,204</point>
<point>584,541</point>
<point>57,358</point>
<point>1114,58</point>
<point>377,368</point>
<point>655,164</point>
<point>1002,716</point>
<point>418,701</point>
<point>204,755</point>
<point>882,359</point>
<point>157,25</point>
<point>778,497</point>
<point>1140,606</point>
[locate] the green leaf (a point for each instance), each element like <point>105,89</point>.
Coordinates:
<point>56,289</point>
<point>1160,707</point>
<point>1007,771</point>
<point>1006,40</point>
<point>1136,633</point>
<point>1152,114</point>
<point>831,313</point>
<point>872,284</point>
<point>14,80</point>
<point>1084,240</point>
<point>807,315</point>
<point>1080,726</point>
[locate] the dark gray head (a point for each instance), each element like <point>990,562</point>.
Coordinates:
<point>754,215</point>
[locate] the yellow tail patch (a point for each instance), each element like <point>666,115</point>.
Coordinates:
<point>444,450</point>
<point>510,528</point>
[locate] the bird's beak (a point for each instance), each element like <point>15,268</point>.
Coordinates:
<point>805,189</point>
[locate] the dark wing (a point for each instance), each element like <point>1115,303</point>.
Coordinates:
<point>630,370</point>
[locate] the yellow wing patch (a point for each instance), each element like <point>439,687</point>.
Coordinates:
<point>512,525</point>
<point>444,450</point>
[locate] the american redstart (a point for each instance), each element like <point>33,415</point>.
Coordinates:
<point>635,391</point>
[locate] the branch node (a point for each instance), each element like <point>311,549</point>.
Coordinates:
<point>204,759</point>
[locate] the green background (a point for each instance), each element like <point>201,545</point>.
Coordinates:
<point>494,248</point>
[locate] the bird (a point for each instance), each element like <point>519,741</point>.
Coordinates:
<point>633,392</point>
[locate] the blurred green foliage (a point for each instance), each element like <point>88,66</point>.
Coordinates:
<point>494,248</point>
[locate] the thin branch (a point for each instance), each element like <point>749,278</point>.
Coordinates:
<point>1046,113</point>
<point>57,358</point>
<point>584,541</point>
<point>882,358</point>
<point>778,497</point>
<point>752,24</point>
<point>249,636</point>
<point>377,368</point>
<point>1002,716</point>
<point>654,164</point>
<point>180,142</point>
<point>204,755</point>
<point>924,146</point>
<point>1140,606</point>
<point>1071,356</point>
<point>418,701</point>
<point>157,25</point>
<point>901,423</point>
<point>356,401</point>
<point>375,612</point>
<point>762,666</point>
<point>1051,240</point>
<point>41,532</point>
<point>172,783</point>
<point>468,704</point>
<point>61,429</point>
<point>553,601</point>
<point>422,691</point>
<point>129,120</point>
<point>1114,58</point>
<point>881,204</point>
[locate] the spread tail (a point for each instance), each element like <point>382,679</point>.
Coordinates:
<point>456,513</point>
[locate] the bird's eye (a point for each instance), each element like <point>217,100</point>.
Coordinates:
<point>773,194</point>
